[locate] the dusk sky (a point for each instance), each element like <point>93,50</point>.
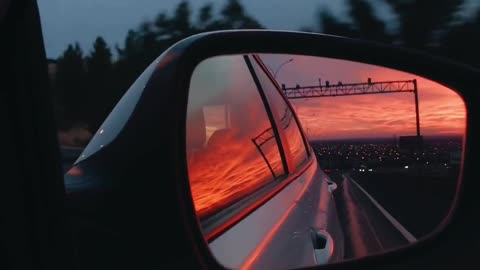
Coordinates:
<point>441,110</point>
<point>67,21</point>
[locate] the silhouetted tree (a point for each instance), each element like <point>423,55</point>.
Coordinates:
<point>366,24</point>
<point>87,89</point>
<point>162,25</point>
<point>100,84</point>
<point>88,97</point>
<point>70,86</point>
<point>419,21</point>
<point>205,16</point>
<point>143,45</point>
<point>180,22</point>
<point>329,24</point>
<point>462,41</point>
<point>130,47</point>
<point>235,17</point>
<point>130,63</point>
<point>149,48</point>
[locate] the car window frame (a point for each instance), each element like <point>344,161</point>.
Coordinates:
<point>215,224</point>
<point>308,149</point>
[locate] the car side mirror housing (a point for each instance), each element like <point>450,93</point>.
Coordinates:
<point>158,129</point>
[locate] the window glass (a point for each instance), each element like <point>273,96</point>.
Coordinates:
<point>287,120</point>
<point>216,118</point>
<point>231,147</point>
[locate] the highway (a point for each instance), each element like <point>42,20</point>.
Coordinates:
<point>419,201</point>
<point>382,211</point>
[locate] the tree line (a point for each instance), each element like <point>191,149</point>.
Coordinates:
<point>87,86</point>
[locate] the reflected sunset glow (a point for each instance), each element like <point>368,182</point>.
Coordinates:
<point>230,144</point>
<point>231,147</point>
<point>220,175</point>
<point>441,110</point>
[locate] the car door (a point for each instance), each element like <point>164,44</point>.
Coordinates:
<point>327,236</point>
<point>257,189</point>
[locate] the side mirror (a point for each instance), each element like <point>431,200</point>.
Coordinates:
<point>238,160</point>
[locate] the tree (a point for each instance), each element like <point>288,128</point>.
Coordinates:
<point>90,87</point>
<point>366,24</point>
<point>130,63</point>
<point>235,17</point>
<point>420,20</point>
<point>329,24</point>
<point>130,45</point>
<point>70,86</point>
<point>100,84</point>
<point>205,16</point>
<point>99,62</point>
<point>180,23</point>
<point>149,47</point>
<point>462,41</point>
<point>162,26</point>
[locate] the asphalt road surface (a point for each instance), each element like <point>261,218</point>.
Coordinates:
<point>418,201</point>
<point>385,210</point>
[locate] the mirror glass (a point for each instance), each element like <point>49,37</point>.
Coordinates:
<point>297,161</point>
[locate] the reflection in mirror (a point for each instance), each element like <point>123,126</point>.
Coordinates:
<point>296,161</point>
<point>228,111</point>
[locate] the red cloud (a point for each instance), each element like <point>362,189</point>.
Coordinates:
<point>441,110</point>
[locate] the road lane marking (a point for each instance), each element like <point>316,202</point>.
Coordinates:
<point>358,244</point>
<point>410,238</point>
<point>361,211</point>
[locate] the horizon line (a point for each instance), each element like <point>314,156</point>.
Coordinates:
<point>383,138</point>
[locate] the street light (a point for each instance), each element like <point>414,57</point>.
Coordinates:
<point>284,63</point>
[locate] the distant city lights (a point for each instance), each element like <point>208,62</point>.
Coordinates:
<point>366,156</point>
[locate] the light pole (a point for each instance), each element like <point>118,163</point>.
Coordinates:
<point>281,65</point>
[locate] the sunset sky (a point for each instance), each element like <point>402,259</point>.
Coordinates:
<point>441,109</point>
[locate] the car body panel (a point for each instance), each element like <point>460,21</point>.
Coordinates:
<point>278,234</point>
<point>283,223</point>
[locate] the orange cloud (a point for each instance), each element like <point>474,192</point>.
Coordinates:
<point>441,110</point>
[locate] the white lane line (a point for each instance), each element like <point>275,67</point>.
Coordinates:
<point>390,218</point>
